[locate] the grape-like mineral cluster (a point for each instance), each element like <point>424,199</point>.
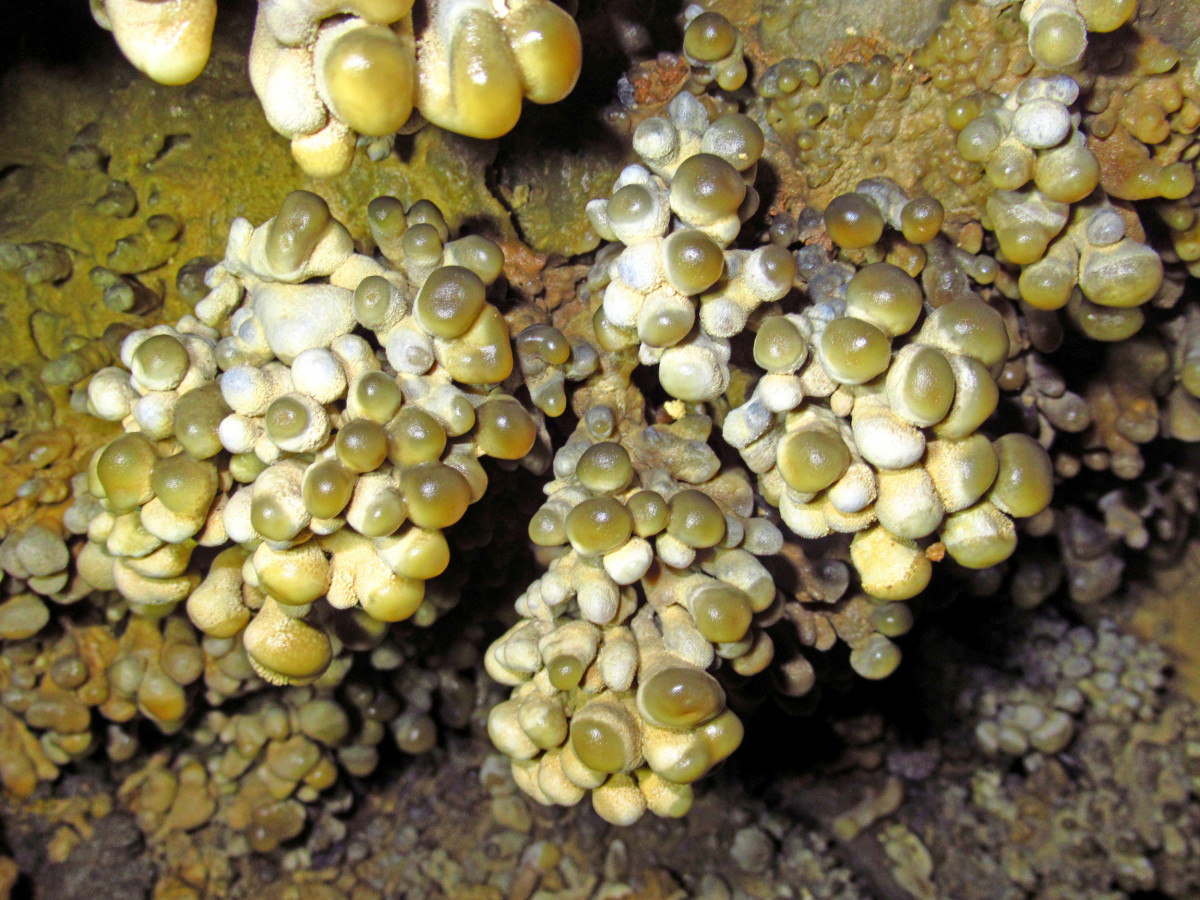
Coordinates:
<point>850,337</point>
<point>331,73</point>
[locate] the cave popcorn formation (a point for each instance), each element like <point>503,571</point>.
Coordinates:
<point>346,458</point>
<point>674,289</point>
<point>317,427</point>
<point>1046,211</point>
<point>331,72</point>
<point>612,693</point>
<point>846,432</point>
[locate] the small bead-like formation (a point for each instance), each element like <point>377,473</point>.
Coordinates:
<point>714,48</point>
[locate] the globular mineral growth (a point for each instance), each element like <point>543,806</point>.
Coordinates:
<point>857,329</point>
<point>325,474</point>
<point>329,74</point>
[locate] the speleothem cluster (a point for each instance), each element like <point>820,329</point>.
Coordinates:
<point>611,690</point>
<point>334,72</point>
<point>342,436</point>
<point>846,394</point>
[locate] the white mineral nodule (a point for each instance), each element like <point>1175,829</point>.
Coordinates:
<point>299,317</point>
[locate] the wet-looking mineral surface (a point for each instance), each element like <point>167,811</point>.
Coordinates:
<point>561,450</point>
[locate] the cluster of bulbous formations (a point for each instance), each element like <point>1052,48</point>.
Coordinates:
<point>298,452</point>
<point>320,434</point>
<point>1057,155</point>
<point>331,72</point>
<point>836,426</point>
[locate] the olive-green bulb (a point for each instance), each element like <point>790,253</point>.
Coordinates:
<point>372,301</point>
<point>415,732</point>
<point>422,245</point>
<point>544,342</point>
<point>665,320</point>
<point>680,697</point>
<point>184,485</point>
<point>426,212</point>
<point>650,512</point>
<point>962,111</point>
<point>294,232</point>
<point>877,658</point>
<point>547,528</point>
<point>450,301</point>
<point>1010,166</point>
<point>695,519</point>
<point>924,388</point>
<point>976,396</point>
<point>385,217</point>
<point>630,206</point>
<point>723,735</point>
<point>377,396</point>
<point>605,468</point>
<point>286,418</point>
<point>921,219</point>
<point>383,513</point>
<point>414,436</point>
<point>853,221</point>
<point>779,346</point>
<point>604,738</point>
<point>436,494</point>
<point>198,415</point>
<point>885,295</point>
<point>979,537</point>
<point>480,255</point>
<point>273,519</point>
<point>1110,324</point>
<point>361,445</point>
<point>246,467</point>
<point>709,37</point>
<point>853,351</point>
<point>692,261</point>
<point>812,459</point>
<point>892,619</point>
<point>1047,284</point>
<point>608,336</point>
<point>1067,174</point>
<point>565,672</point>
<point>504,429</point>
<point>970,327</point>
<point>706,187</point>
<point>722,613</point>
<point>979,138</point>
<point>160,362</point>
<point>963,470</point>
<point>598,526</point>
<point>327,488</point>
<point>124,470</point>
<point>1058,39</point>
<point>1025,480</point>
<point>776,267</point>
